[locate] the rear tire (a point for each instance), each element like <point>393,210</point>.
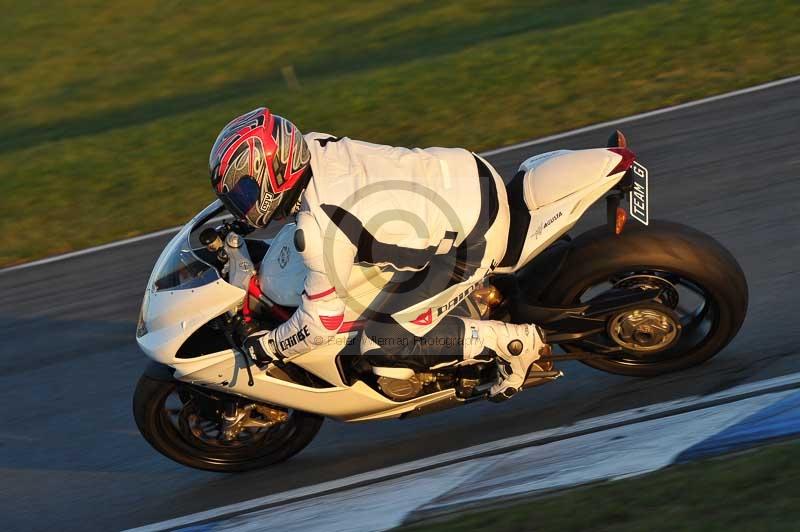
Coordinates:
<point>598,255</point>
<point>149,410</point>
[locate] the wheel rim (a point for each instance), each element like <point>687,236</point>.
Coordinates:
<point>184,421</point>
<point>683,299</point>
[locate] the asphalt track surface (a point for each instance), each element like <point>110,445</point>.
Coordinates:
<point>72,459</point>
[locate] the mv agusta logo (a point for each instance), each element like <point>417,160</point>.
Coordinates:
<point>553,219</point>
<point>543,225</point>
<point>538,231</point>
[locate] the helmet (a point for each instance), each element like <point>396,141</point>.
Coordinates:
<point>259,166</point>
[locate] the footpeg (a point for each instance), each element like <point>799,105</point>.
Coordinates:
<point>545,374</point>
<point>535,378</point>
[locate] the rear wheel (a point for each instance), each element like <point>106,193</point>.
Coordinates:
<point>702,305</point>
<point>217,432</point>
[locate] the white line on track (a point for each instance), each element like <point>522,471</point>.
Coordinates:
<point>72,254</point>
<point>582,427</point>
<point>489,153</point>
<point>640,116</point>
<point>110,245</point>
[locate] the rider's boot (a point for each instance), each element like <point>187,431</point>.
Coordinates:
<point>516,347</point>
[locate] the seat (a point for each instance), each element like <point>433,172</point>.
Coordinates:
<point>547,178</point>
<point>555,175</point>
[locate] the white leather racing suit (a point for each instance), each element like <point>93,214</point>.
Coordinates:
<point>438,217</point>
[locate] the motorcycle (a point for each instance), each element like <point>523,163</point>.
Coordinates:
<point>632,299</point>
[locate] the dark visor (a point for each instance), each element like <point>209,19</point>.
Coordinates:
<point>244,196</point>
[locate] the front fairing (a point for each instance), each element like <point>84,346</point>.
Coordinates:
<point>184,292</point>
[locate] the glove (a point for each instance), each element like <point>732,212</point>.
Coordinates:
<point>261,347</point>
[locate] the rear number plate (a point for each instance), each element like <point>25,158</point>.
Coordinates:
<point>639,195</point>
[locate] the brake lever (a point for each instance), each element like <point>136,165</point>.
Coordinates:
<point>236,349</point>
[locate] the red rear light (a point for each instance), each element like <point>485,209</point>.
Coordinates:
<point>627,159</point>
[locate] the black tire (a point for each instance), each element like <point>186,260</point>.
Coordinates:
<point>149,411</point>
<point>662,246</point>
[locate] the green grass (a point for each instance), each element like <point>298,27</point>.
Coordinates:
<point>108,109</point>
<point>753,491</point>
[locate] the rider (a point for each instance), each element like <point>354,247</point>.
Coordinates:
<point>438,218</point>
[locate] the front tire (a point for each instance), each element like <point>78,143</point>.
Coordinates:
<point>674,252</point>
<point>170,438</point>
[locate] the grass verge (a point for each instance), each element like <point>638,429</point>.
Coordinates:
<point>757,490</point>
<point>109,108</point>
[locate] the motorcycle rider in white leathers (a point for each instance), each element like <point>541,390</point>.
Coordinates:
<point>437,217</point>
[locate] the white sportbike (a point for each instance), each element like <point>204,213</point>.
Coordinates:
<point>633,299</point>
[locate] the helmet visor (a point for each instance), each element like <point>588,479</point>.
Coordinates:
<point>242,198</point>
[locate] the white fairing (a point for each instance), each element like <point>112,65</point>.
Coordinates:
<point>558,188</point>
<point>172,314</point>
<point>282,271</point>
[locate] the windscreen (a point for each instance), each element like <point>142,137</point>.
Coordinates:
<point>184,270</point>
<point>178,267</point>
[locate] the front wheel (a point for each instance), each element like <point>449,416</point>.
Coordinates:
<point>217,432</point>
<point>702,306</point>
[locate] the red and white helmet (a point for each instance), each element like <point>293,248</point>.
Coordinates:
<point>259,165</point>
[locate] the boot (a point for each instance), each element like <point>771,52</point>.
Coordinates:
<point>516,347</point>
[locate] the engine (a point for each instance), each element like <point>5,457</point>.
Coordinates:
<point>400,389</point>
<point>402,384</point>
